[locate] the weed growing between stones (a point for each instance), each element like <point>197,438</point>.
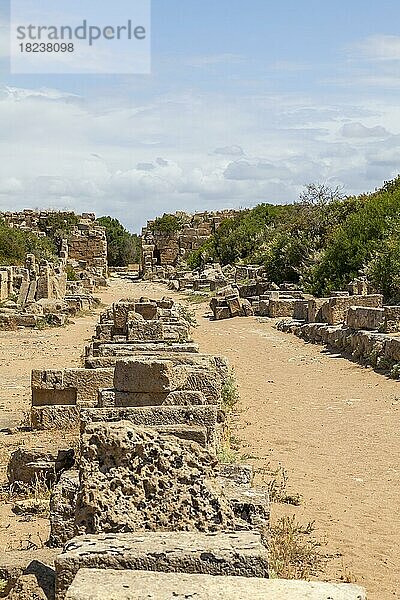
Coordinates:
<point>28,499</point>
<point>230,394</point>
<point>294,553</point>
<point>276,480</point>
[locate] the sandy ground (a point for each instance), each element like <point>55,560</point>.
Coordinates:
<point>332,424</point>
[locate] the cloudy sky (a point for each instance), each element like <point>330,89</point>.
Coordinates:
<point>246,102</point>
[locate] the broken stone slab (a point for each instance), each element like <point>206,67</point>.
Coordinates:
<point>158,416</point>
<point>15,564</point>
<point>27,465</point>
<point>134,479</point>
<point>240,474</point>
<point>234,554</point>
<point>98,584</point>
<point>250,504</point>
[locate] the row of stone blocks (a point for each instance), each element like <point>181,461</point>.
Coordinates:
<point>380,350</point>
<point>149,501</point>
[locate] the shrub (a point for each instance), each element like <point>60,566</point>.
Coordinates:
<point>15,244</point>
<point>124,248</point>
<point>167,224</point>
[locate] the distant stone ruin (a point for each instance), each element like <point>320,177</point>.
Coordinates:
<point>162,250</point>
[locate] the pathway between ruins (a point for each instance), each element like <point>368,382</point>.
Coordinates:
<point>334,426</point>
<point>331,423</point>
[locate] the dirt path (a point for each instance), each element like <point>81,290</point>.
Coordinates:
<point>331,423</point>
<point>334,426</point>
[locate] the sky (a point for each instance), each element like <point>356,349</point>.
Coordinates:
<point>247,102</point>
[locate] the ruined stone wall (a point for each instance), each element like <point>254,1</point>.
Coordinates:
<point>86,246</point>
<point>160,250</point>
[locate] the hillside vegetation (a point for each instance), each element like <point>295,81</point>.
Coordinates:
<point>321,242</point>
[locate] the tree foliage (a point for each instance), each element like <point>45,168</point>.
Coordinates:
<point>322,242</point>
<point>15,244</point>
<point>123,247</point>
<point>167,224</point>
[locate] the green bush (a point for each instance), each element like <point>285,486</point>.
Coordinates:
<point>167,224</point>
<point>15,244</point>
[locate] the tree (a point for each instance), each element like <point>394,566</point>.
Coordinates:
<point>124,248</point>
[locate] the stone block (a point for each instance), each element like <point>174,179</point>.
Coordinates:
<point>144,375</point>
<point>249,504</point>
<point>48,397</point>
<point>134,479</point>
<point>47,379</point>
<point>234,554</point>
<point>391,319</point>
<point>142,585</point>
<point>55,417</point>
<point>359,317</point>
<point>282,308</point>
<point>157,416</point>
<point>87,382</point>
<point>148,310</point>
<point>221,312</point>
<point>145,330</point>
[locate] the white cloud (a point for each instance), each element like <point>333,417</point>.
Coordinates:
<point>136,160</point>
<point>230,151</point>
<point>379,47</point>
<point>358,130</point>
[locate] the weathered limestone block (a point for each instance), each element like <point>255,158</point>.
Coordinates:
<point>148,310</point>
<point>237,472</point>
<point>338,307</point>
<point>62,509</point>
<point>222,312</point>
<point>145,330</point>
<point>25,465</point>
<point>157,416</point>
<point>113,398</point>
<point>131,347</point>
<point>87,382</point>
<point>392,319</point>
<point>133,479</point>
<point>144,375</point>
<point>69,387</point>
<point>48,379</point>
<point>282,308</point>
<point>27,588</point>
<point>140,585</point>
<point>235,554</point>
<point>55,417</point>
<point>360,317</point>
<point>250,504</point>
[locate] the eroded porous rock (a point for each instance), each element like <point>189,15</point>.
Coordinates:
<point>27,588</point>
<point>133,479</point>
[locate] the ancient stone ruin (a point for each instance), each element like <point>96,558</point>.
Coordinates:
<point>39,293</point>
<point>162,250</point>
<point>145,509</point>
